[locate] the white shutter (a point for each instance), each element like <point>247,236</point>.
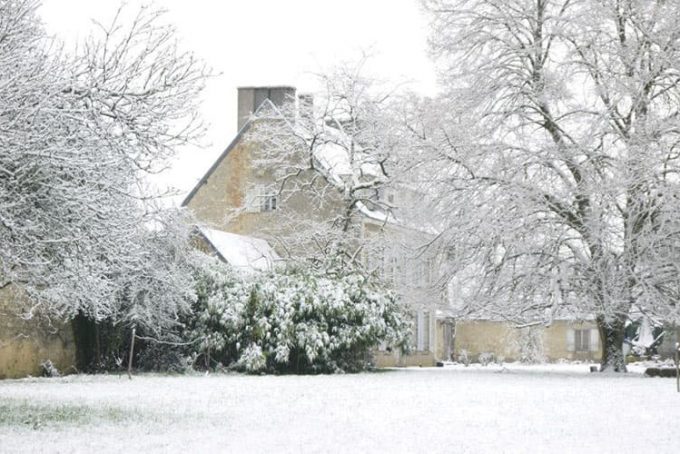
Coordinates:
<point>594,340</point>
<point>426,331</point>
<point>420,331</point>
<point>570,340</point>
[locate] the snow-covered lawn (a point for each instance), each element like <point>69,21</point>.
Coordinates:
<point>558,408</point>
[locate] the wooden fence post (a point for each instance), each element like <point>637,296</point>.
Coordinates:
<point>132,352</point>
<point>677,366</point>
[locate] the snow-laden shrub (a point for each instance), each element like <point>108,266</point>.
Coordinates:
<point>486,358</point>
<point>530,345</point>
<point>161,357</point>
<point>302,320</point>
<point>48,369</point>
<point>221,295</point>
<point>252,359</point>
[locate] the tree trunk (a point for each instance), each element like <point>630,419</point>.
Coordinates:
<point>611,339</point>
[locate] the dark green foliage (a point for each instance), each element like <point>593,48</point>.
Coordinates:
<point>162,357</point>
<point>99,345</point>
<point>296,320</point>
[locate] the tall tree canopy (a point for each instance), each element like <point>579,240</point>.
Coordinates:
<point>554,154</point>
<point>78,131</point>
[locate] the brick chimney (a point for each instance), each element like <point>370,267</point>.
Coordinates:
<point>250,98</point>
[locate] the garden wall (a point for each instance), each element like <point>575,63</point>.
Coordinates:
<point>25,344</point>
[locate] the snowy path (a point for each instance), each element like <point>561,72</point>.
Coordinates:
<point>555,409</point>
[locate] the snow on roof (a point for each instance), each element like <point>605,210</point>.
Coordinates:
<point>243,252</point>
<point>334,154</point>
<point>333,158</point>
<point>376,215</point>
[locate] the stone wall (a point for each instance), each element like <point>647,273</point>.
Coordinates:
<point>503,340</point>
<point>398,359</point>
<point>25,344</point>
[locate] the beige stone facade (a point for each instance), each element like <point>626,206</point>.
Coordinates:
<point>561,340</point>
<point>25,344</point>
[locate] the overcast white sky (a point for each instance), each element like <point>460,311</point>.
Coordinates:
<point>261,42</point>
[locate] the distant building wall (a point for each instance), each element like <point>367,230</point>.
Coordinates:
<point>482,336</point>
<point>398,359</point>
<point>670,338</point>
<point>439,349</point>
<point>223,191</point>
<point>561,340</point>
<point>25,344</point>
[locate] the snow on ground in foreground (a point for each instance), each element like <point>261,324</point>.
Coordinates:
<point>557,408</point>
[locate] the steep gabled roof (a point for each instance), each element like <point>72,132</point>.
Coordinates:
<point>216,164</point>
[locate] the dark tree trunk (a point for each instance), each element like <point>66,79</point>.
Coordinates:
<point>611,339</point>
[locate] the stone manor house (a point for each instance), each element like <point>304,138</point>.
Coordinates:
<point>238,197</point>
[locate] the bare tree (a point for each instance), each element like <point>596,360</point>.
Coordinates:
<point>78,132</point>
<point>157,287</point>
<point>553,154</point>
<point>326,159</point>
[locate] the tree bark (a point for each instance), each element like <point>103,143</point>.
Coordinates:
<point>611,339</point>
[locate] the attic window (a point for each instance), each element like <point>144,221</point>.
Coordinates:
<point>268,202</point>
<point>263,199</point>
<point>388,195</point>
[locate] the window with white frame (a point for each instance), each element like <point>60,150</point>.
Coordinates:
<point>422,276</point>
<point>582,340</point>
<point>262,199</point>
<point>392,269</point>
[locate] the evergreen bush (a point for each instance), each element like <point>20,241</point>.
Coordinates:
<point>293,320</point>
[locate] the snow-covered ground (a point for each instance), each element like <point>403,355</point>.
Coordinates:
<point>556,408</point>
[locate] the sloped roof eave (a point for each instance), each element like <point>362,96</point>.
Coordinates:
<point>204,179</point>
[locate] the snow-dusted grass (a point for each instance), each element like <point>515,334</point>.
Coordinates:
<point>556,408</point>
